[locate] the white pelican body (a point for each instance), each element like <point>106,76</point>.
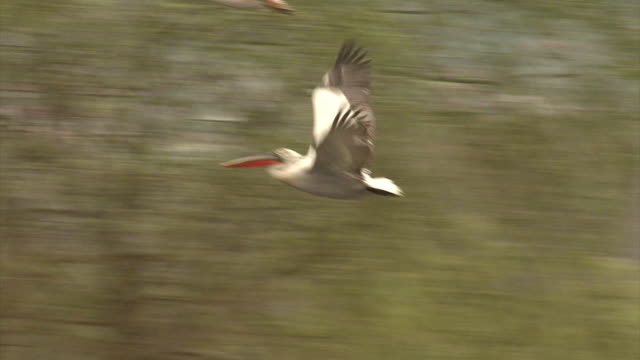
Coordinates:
<point>343,131</point>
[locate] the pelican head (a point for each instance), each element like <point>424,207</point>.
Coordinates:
<point>288,156</point>
<point>279,158</point>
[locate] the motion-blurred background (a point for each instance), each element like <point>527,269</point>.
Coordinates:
<point>512,126</point>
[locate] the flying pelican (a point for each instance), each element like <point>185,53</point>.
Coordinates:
<point>343,130</point>
<point>277,5</point>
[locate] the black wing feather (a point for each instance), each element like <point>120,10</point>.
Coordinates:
<point>351,69</point>
<point>347,146</point>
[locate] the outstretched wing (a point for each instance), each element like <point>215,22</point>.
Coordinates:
<point>350,73</point>
<point>347,146</point>
<point>347,142</point>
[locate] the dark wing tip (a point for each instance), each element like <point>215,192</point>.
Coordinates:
<point>352,53</point>
<point>348,118</point>
<point>351,73</point>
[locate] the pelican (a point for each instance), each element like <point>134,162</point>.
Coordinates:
<point>277,5</point>
<point>336,164</point>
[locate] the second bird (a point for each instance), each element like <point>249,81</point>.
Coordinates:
<point>277,5</point>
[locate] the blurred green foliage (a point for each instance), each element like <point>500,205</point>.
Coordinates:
<point>511,125</point>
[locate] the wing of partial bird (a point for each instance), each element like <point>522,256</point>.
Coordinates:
<point>241,4</point>
<point>339,136</point>
<point>277,5</point>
